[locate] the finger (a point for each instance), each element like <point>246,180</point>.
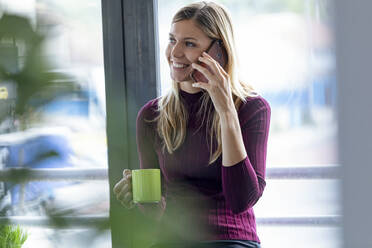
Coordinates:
<point>129,178</point>
<point>118,187</point>
<point>218,65</point>
<point>120,196</point>
<point>222,70</point>
<point>126,188</point>
<point>211,63</point>
<point>127,198</point>
<point>201,85</point>
<point>203,70</point>
<point>126,172</point>
<point>129,205</point>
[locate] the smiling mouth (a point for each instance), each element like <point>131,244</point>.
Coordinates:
<point>179,65</point>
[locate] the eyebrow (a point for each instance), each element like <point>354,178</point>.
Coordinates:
<point>186,38</point>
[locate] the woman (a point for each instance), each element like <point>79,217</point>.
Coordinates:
<point>209,139</point>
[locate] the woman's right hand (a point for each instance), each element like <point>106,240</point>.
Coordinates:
<point>123,190</point>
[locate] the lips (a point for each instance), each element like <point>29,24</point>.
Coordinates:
<point>179,71</point>
<point>178,65</point>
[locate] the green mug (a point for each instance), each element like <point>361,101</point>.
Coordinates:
<point>146,186</point>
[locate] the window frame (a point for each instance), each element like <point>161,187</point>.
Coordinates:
<point>129,26</point>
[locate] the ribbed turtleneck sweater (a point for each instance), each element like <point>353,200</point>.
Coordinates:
<point>208,201</point>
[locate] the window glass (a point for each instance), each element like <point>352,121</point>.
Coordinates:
<point>68,132</point>
<point>286,52</point>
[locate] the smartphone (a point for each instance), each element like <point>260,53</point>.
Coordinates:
<point>217,51</point>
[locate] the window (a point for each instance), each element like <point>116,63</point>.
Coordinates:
<point>287,44</point>
<point>286,52</point>
<point>73,126</point>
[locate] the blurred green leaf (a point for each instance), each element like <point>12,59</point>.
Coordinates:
<point>12,237</point>
<point>33,80</point>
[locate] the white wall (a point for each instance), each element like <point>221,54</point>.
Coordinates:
<point>354,64</point>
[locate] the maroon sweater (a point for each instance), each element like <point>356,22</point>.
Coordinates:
<point>214,202</point>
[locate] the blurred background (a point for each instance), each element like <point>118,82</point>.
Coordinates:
<point>71,125</point>
<point>286,52</point>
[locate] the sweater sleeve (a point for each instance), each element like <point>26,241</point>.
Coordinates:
<point>244,182</point>
<point>145,136</point>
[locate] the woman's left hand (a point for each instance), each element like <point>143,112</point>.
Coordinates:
<point>218,85</point>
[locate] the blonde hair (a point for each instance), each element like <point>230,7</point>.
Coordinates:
<point>215,22</point>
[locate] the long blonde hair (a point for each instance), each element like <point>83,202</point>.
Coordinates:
<point>215,22</point>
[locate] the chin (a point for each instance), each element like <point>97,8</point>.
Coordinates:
<point>181,79</point>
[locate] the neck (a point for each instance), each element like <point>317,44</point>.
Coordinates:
<point>187,86</point>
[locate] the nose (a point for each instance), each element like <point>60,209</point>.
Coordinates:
<point>177,50</point>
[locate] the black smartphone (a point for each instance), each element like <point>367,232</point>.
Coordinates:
<point>218,52</point>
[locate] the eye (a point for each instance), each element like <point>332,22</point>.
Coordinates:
<point>190,44</point>
<point>171,40</point>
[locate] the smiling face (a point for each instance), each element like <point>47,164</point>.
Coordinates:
<point>186,44</point>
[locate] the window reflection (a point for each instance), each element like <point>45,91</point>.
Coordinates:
<point>68,132</point>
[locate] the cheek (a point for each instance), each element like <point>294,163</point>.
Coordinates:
<point>193,56</point>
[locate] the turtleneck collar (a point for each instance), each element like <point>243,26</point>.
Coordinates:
<point>191,98</point>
